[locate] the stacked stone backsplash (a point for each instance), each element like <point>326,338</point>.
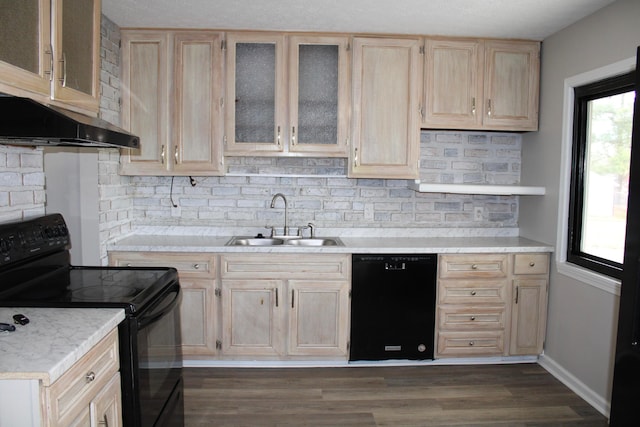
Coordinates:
<point>318,190</point>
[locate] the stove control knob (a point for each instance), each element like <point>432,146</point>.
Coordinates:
<point>4,246</point>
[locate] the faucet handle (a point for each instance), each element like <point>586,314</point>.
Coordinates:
<point>272,228</point>
<point>312,227</point>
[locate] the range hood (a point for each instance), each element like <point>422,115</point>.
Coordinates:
<point>24,121</point>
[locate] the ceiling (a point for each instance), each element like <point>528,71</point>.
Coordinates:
<point>527,19</point>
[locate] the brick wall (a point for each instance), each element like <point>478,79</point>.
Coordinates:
<point>22,192</point>
<point>318,190</point>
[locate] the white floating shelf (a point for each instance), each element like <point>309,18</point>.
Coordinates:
<point>496,190</point>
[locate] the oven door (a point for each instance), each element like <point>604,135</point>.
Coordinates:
<point>159,361</point>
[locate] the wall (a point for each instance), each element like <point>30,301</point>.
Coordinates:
<point>582,319</point>
<point>22,192</point>
<point>318,190</point>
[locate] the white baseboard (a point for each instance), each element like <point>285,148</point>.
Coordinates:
<point>601,404</point>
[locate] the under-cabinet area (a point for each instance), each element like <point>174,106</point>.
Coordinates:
<point>263,306</point>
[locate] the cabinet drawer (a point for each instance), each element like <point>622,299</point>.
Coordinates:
<point>485,343</point>
<point>75,389</point>
<point>188,264</point>
<point>471,318</point>
<point>472,266</point>
<point>472,291</point>
<point>285,266</point>
<point>531,264</point>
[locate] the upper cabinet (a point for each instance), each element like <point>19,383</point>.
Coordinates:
<point>386,106</point>
<point>286,95</point>
<point>172,99</point>
<point>484,85</point>
<point>53,51</point>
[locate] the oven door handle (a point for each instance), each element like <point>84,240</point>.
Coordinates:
<point>161,307</point>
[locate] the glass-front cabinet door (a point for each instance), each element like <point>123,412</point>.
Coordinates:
<point>318,95</point>
<point>255,94</point>
<point>76,40</point>
<point>25,47</point>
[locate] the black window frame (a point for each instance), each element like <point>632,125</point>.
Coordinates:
<point>582,95</point>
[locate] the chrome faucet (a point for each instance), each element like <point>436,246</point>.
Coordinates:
<point>273,204</point>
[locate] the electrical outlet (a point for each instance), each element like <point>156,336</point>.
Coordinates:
<point>478,211</point>
<point>176,211</point>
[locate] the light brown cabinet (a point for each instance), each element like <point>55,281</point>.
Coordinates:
<point>172,96</point>
<point>198,315</point>
<point>529,313</point>
<point>385,108</point>
<point>472,311</point>
<point>89,393</point>
<point>52,52</point>
<point>481,84</point>
<point>491,304</point>
<point>287,95</point>
<point>271,307</point>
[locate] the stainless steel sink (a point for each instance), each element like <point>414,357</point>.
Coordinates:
<point>260,241</point>
<point>253,241</point>
<point>333,241</point>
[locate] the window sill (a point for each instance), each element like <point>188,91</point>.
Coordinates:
<point>589,277</point>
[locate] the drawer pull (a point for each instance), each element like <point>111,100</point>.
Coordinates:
<point>532,264</point>
<point>473,317</point>
<point>90,376</point>
<point>104,422</point>
<point>196,266</point>
<point>473,293</point>
<point>474,266</point>
<point>471,343</point>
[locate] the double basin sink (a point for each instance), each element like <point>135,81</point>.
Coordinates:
<point>267,241</point>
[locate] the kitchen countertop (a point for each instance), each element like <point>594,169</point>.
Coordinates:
<point>53,340</point>
<point>352,245</point>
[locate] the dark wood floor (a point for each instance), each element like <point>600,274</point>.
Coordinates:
<point>488,395</point>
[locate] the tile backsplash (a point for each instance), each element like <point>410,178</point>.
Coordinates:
<point>318,190</point>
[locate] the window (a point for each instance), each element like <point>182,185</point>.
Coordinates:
<point>602,124</point>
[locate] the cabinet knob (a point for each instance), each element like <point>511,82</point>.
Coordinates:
<point>532,264</point>
<point>474,266</point>
<point>473,317</point>
<point>90,376</point>
<point>473,293</point>
<point>196,266</point>
<point>471,343</point>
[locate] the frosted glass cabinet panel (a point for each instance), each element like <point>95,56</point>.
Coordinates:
<point>291,102</point>
<point>318,95</point>
<point>25,51</point>
<point>254,110</point>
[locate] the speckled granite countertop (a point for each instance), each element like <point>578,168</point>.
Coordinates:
<point>53,340</point>
<point>352,244</point>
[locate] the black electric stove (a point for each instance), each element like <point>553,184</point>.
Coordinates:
<point>35,271</point>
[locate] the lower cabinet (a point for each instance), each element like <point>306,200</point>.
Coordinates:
<point>89,393</point>
<point>491,304</point>
<point>197,274</point>
<point>271,307</point>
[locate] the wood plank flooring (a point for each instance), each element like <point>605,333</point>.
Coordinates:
<point>479,395</point>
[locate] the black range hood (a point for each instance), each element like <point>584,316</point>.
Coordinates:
<point>24,121</point>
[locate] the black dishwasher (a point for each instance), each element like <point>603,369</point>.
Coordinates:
<point>393,300</point>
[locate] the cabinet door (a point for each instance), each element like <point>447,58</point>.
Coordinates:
<point>255,94</point>
<point>386,105</point>
<point>76,44</point>
<point>145,106</point>
<point>252,317</point>
<point>319,317</point>
<point>511,85</point>
<point>318,95</point>
<point>25,52</point>
<point>528,316</point>
<point>106,407</point>
<point>453,84</point>
<point>197,317</point>
<point>197,126</point>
